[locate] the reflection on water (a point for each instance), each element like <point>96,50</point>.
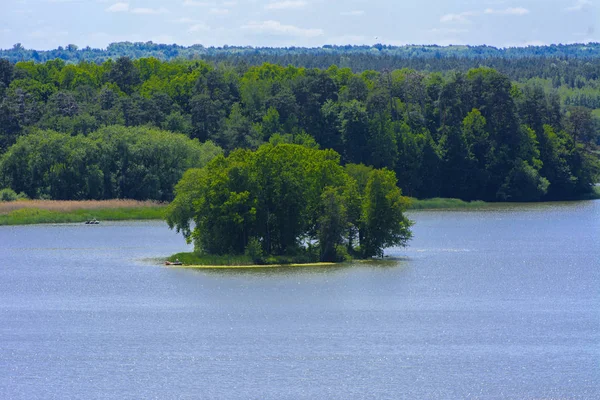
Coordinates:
<point>499,303</point>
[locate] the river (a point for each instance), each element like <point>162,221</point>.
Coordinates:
<point>495,304</point>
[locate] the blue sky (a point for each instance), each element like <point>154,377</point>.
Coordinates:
<point>46,24</point>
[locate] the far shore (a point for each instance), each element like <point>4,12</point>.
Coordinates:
<point>26,212</point>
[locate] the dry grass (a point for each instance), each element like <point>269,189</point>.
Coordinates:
<point>70,206</point>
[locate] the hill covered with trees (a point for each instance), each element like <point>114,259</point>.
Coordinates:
<point>471,135</point>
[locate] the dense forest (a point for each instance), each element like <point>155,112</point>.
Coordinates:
<point>572,65</point>
<point>476,134</point>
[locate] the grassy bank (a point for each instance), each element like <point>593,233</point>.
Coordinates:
<point>24,212</point>
<point>193,260</point>
<point>27,212</point>
<point>442,204</point>
<point>457,204</point>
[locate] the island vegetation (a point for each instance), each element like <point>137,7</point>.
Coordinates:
<point>289,203</point>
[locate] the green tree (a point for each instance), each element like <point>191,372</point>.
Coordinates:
<point>524,183</point>
<point>383,222</point>
<point>124,74</point>
<point>332,224</point>
<point>285,196</point>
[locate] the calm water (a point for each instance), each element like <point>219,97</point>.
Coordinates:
<point>501,304</point>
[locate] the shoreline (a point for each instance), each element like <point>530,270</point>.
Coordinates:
<point>449,204</point>
<point>29,212</point>
<point>255,266</point>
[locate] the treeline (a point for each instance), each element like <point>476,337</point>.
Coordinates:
<point>287,199</point>
<point>473,135</point>
<point>567,65</point>
<point>114,162</point>
<point>136,50</point>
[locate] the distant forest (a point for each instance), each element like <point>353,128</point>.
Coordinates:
<point>329,54</point>
<point>95,123</point>
<point>557,62</point>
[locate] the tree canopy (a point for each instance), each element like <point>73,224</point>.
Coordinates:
<point>113,162</point>
<point>289,197</point>
<point>471,135</point>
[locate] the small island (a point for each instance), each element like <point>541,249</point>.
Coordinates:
<point>287,204</point>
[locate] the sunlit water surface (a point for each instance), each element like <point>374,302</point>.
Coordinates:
<point>495,304</point>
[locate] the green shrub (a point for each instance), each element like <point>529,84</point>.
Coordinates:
<point>341,253</point>
<point>8,195</point>
<point>254,251</point>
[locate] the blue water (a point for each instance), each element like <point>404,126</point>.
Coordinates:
<point>495,304</point>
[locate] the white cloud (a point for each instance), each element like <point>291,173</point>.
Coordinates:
<point>508,11</point>
<point>580,5</point>
<point>277,28</point>
<point>198,28</point>
<point>142,10</point>
<point>118,7</point>
<point>124,7</point>
<point>353,13</point>
<point>462,17</point>
<point>219,11</point>
<point>285,5</point>
<point>184,20</point>
<point>194,3</point>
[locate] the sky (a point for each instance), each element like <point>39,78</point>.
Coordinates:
<point>47,24</point>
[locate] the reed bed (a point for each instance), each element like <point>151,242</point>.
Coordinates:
<point>445,204</point>
<point>27,212</point>
<point>70,206</point>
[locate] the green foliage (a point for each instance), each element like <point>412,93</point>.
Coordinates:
<point>444,204</point>
<point>216,260</point>
<point>383,222</point>
<point>524,183</point>
<point>234,260</point>
<point>287,199</point>
<point>114,162</point>
<point>254,250</point>
<point>332,224</point>
<point>461,134</point>
<point>8,195</point>
<point>549,59</point>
